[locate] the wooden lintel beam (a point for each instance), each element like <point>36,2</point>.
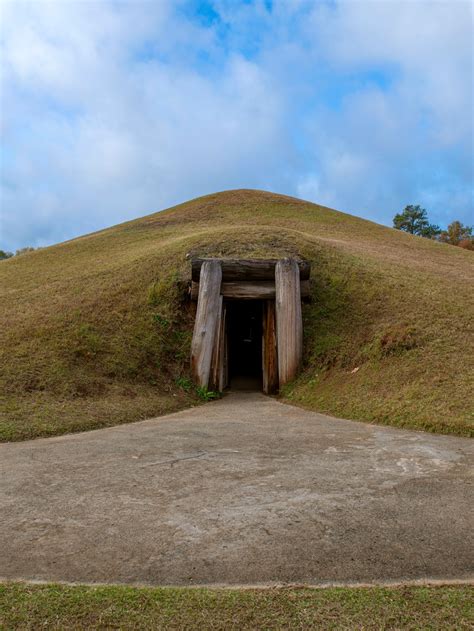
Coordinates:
<point>247,269</point>
<point>243,290</point>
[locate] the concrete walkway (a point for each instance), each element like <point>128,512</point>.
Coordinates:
<point>245,490</point>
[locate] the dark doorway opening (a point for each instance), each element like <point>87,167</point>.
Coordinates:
<point>244,335</point>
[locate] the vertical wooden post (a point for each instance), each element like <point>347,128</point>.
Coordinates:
<point>216,351</point>
<point>289,322</point>
<point>222,371</point>
<point>269,349</point>
<point>207,321</point>
<point>225,364</point>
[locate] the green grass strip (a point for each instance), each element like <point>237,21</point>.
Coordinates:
<point>54,607</point>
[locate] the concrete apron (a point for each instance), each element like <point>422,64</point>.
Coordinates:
<point>242,491</point>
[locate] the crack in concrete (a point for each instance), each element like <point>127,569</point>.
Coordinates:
<point>173,461</point>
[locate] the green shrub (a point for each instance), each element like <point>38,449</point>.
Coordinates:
<point>205,394</point>
<point>184,383</point>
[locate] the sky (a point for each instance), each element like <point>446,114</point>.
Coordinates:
<point>114,109</point>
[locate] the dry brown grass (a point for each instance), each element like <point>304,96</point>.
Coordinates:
<point>96,331</point>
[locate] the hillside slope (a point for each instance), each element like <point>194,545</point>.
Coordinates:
<point>96,331</point>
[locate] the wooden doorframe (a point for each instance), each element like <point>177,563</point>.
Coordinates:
<point>280,285</point>
<point>207,323</point>
<point>269,349</point>
<point>289,321</point>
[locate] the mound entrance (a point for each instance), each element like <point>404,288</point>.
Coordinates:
<point>248,329</point>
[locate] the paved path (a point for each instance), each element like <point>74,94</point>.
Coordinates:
<point>245,490</point>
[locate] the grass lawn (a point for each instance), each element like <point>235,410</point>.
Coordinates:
<point>58,607</point>
<point>97,331</point>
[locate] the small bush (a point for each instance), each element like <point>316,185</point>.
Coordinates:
<point>467,244</point>
<point>207,395</point>
<point>184,383</point>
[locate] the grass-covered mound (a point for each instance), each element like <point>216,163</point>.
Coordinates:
<point>96,331</point>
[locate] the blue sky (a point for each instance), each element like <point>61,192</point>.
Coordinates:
<point>112,110</point>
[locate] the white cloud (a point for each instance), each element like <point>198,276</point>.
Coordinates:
<point>114,131</point>
<point>412,138</point>
<point>112,110</point>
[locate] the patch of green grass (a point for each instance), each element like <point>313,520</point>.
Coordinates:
<point>207,395</point>
<point>185,383</point>
<point>41,415</point>
<point>58,607</point>
<point>87,343</point>
<point>97,331</point>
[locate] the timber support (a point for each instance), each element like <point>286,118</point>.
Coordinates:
<point>207,322</point>
<point>279,286</point>
<point>289,322</point>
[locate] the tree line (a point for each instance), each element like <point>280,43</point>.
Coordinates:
<point>414,219</point>
<point>8,255</point>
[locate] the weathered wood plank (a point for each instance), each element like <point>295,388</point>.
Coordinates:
<point>217,350</point>
<point>269,349</point>
<point>219,371</point>
<point>289,321</point>
<point>247,269</point>
<point>252,290</point>
<point>223,375</point>
<point>206,322</point>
